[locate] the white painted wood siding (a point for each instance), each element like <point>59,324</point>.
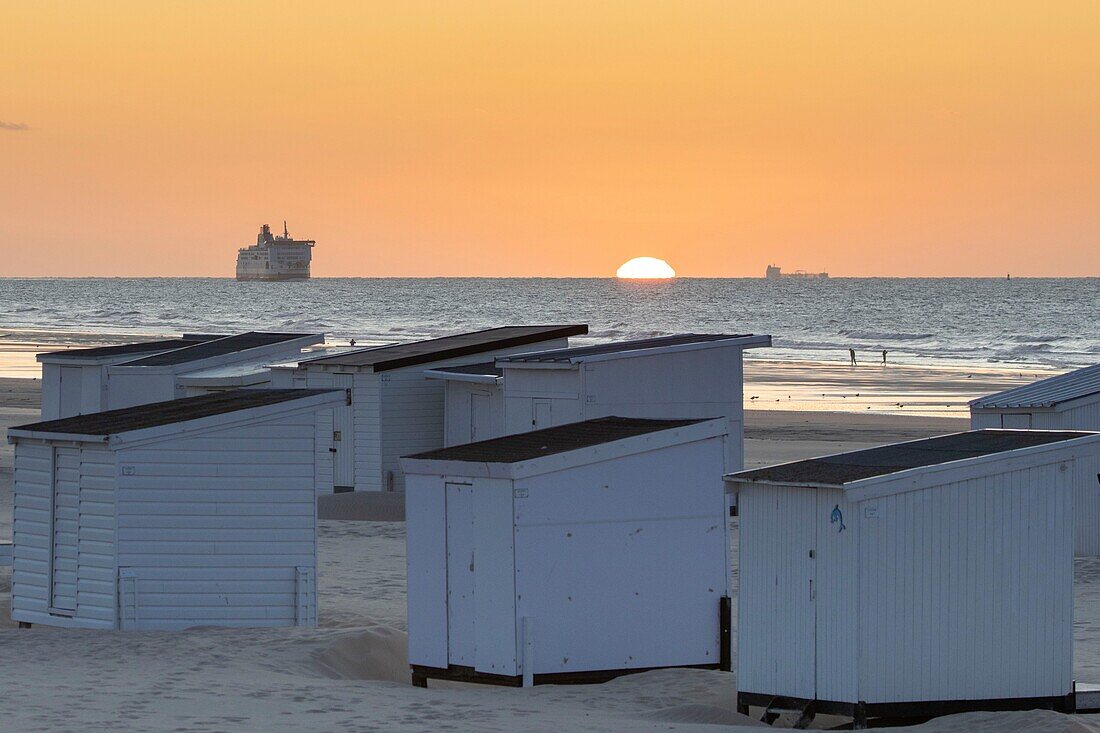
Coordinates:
<point>411,410</point>
<point>1081,414</point>
<point>458,412</point>
<point>322,449</point>
<point>522,387</point>
<point>775,612</point>
<point>364,439</point>
<point>214,525</point>
<point>69,390</point>
<point>31,530</point>
<point>1084,414</point>
<point>71,386</point>
<point>961,591</point>
<point>130,386</point>
<point>496,630</point>
<point>397,413</point>
<point>90,470</point>
<point>96,577</point>
<point>461,541</point>
<point>412,420</point>
<point>690,384</point>
<point>51,391</point>
<point>621,564</point>
<point>705,383</point>
<point>426,573</point>
<point>836,593</point>
<point>982,419</point>
<point>1086,507</point>
<point>342,438</point>
<point>966,590</point>
<point>64,525</point>
<point>367,403</point>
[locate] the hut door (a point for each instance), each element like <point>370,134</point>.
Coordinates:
<point>541,417</point>
<point>479,416</point>
<point>460,574</point>
<point>69,401</point>
<point>343,437</point>
<point>835,588</point>
<point>65,518</point>
<point>798,601</point>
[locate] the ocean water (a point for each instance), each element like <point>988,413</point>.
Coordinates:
<point>1019,322</point>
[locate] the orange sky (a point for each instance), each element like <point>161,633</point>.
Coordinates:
<point>552,138</point>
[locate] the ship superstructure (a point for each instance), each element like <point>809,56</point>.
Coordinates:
<point>275,257</point>
<point>774,273</point>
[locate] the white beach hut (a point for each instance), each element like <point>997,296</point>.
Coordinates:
<point>220,364</point>
<point>681,376</point>
<point>915,579</point>
<point>1069,401</point>
<point>394,410</point>
<point>200,511</point>
<point>578,552</point>
<point>74,381</point>
<point>473,402</point>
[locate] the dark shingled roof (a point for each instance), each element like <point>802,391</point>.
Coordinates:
<point>384,358</point>
<point>217,347</point>
<point>135,349</point>
<point>560,439</point>
<point>579,352</point>
<point>152,415</point>
<point>485,369</point>
<point>847,467</point>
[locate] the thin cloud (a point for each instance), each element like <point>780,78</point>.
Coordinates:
<point>13,126</point>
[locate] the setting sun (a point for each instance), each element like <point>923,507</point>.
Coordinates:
<point>645,268</point>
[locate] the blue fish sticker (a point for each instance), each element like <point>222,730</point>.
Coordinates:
<point>837,516</point>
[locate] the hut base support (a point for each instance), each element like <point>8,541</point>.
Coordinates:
<point>806,709</point>
<point>457,673</point>
<point>25,624</point>
<point>864,714</point>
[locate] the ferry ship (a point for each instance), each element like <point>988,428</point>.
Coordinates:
<point>774,273</point>
<point>275,257</point>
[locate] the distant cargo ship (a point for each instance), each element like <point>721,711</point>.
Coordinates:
<point>275,257</point>
<point>774,273</point>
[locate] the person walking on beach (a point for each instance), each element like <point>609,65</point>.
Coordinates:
<point>884,356</point>
<point>852,354</point>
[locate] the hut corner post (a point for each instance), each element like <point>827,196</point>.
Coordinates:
<point>725,633</point>
<point>528,627</point>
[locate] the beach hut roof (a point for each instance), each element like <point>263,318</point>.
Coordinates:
<point>220,347</point>
<point>845,468</point>
<point>1046,392</point>
<point>157,414</point>
<point>122,350</point>
<point>384,358</point>
<point>628,348</point>
<point>487,372</point>
<point>549,441</point>
<point>562,447</point>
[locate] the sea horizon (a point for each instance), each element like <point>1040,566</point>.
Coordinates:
<point>981,322</point>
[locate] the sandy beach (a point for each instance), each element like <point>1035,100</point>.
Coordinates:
<point>353,232</point>
<point>351,674</point>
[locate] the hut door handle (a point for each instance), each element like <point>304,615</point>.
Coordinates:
<point>811,590</point>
